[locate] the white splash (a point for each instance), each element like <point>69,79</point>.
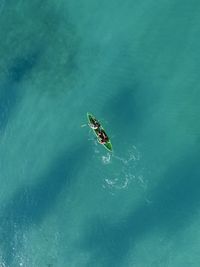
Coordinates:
<point>116,184</point>
<point>127,171</point>
<point>106,159</point>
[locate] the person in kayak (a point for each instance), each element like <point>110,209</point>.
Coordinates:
<point>94,124</point>
<point>103,138</point>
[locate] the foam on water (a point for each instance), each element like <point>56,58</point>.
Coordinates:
<point>122,170</point>
<point>106,159</point>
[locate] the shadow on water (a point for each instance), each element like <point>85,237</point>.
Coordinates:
<point>130,107</point>
<point>173,206</point>
<point>22,66</point>
<point>10,94</point>
<point>124,107</point>
<point>30,205</point>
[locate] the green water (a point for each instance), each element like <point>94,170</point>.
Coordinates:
<point>64,200</point>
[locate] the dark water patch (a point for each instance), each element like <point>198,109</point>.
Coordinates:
<point>31,204</point>
<point>59,65</point>
<point>22,66</point>
<point>52,30</point>
<point>174,203</point>
<point>130,108</point>
<point>11,93</point>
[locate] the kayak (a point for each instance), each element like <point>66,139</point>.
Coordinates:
<point>108,144</point>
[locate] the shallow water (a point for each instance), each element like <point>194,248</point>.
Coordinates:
<point>64,200</point>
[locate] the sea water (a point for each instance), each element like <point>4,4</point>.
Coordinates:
<point>65,201</point>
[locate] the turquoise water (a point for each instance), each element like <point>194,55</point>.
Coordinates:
<point>64,200</point>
